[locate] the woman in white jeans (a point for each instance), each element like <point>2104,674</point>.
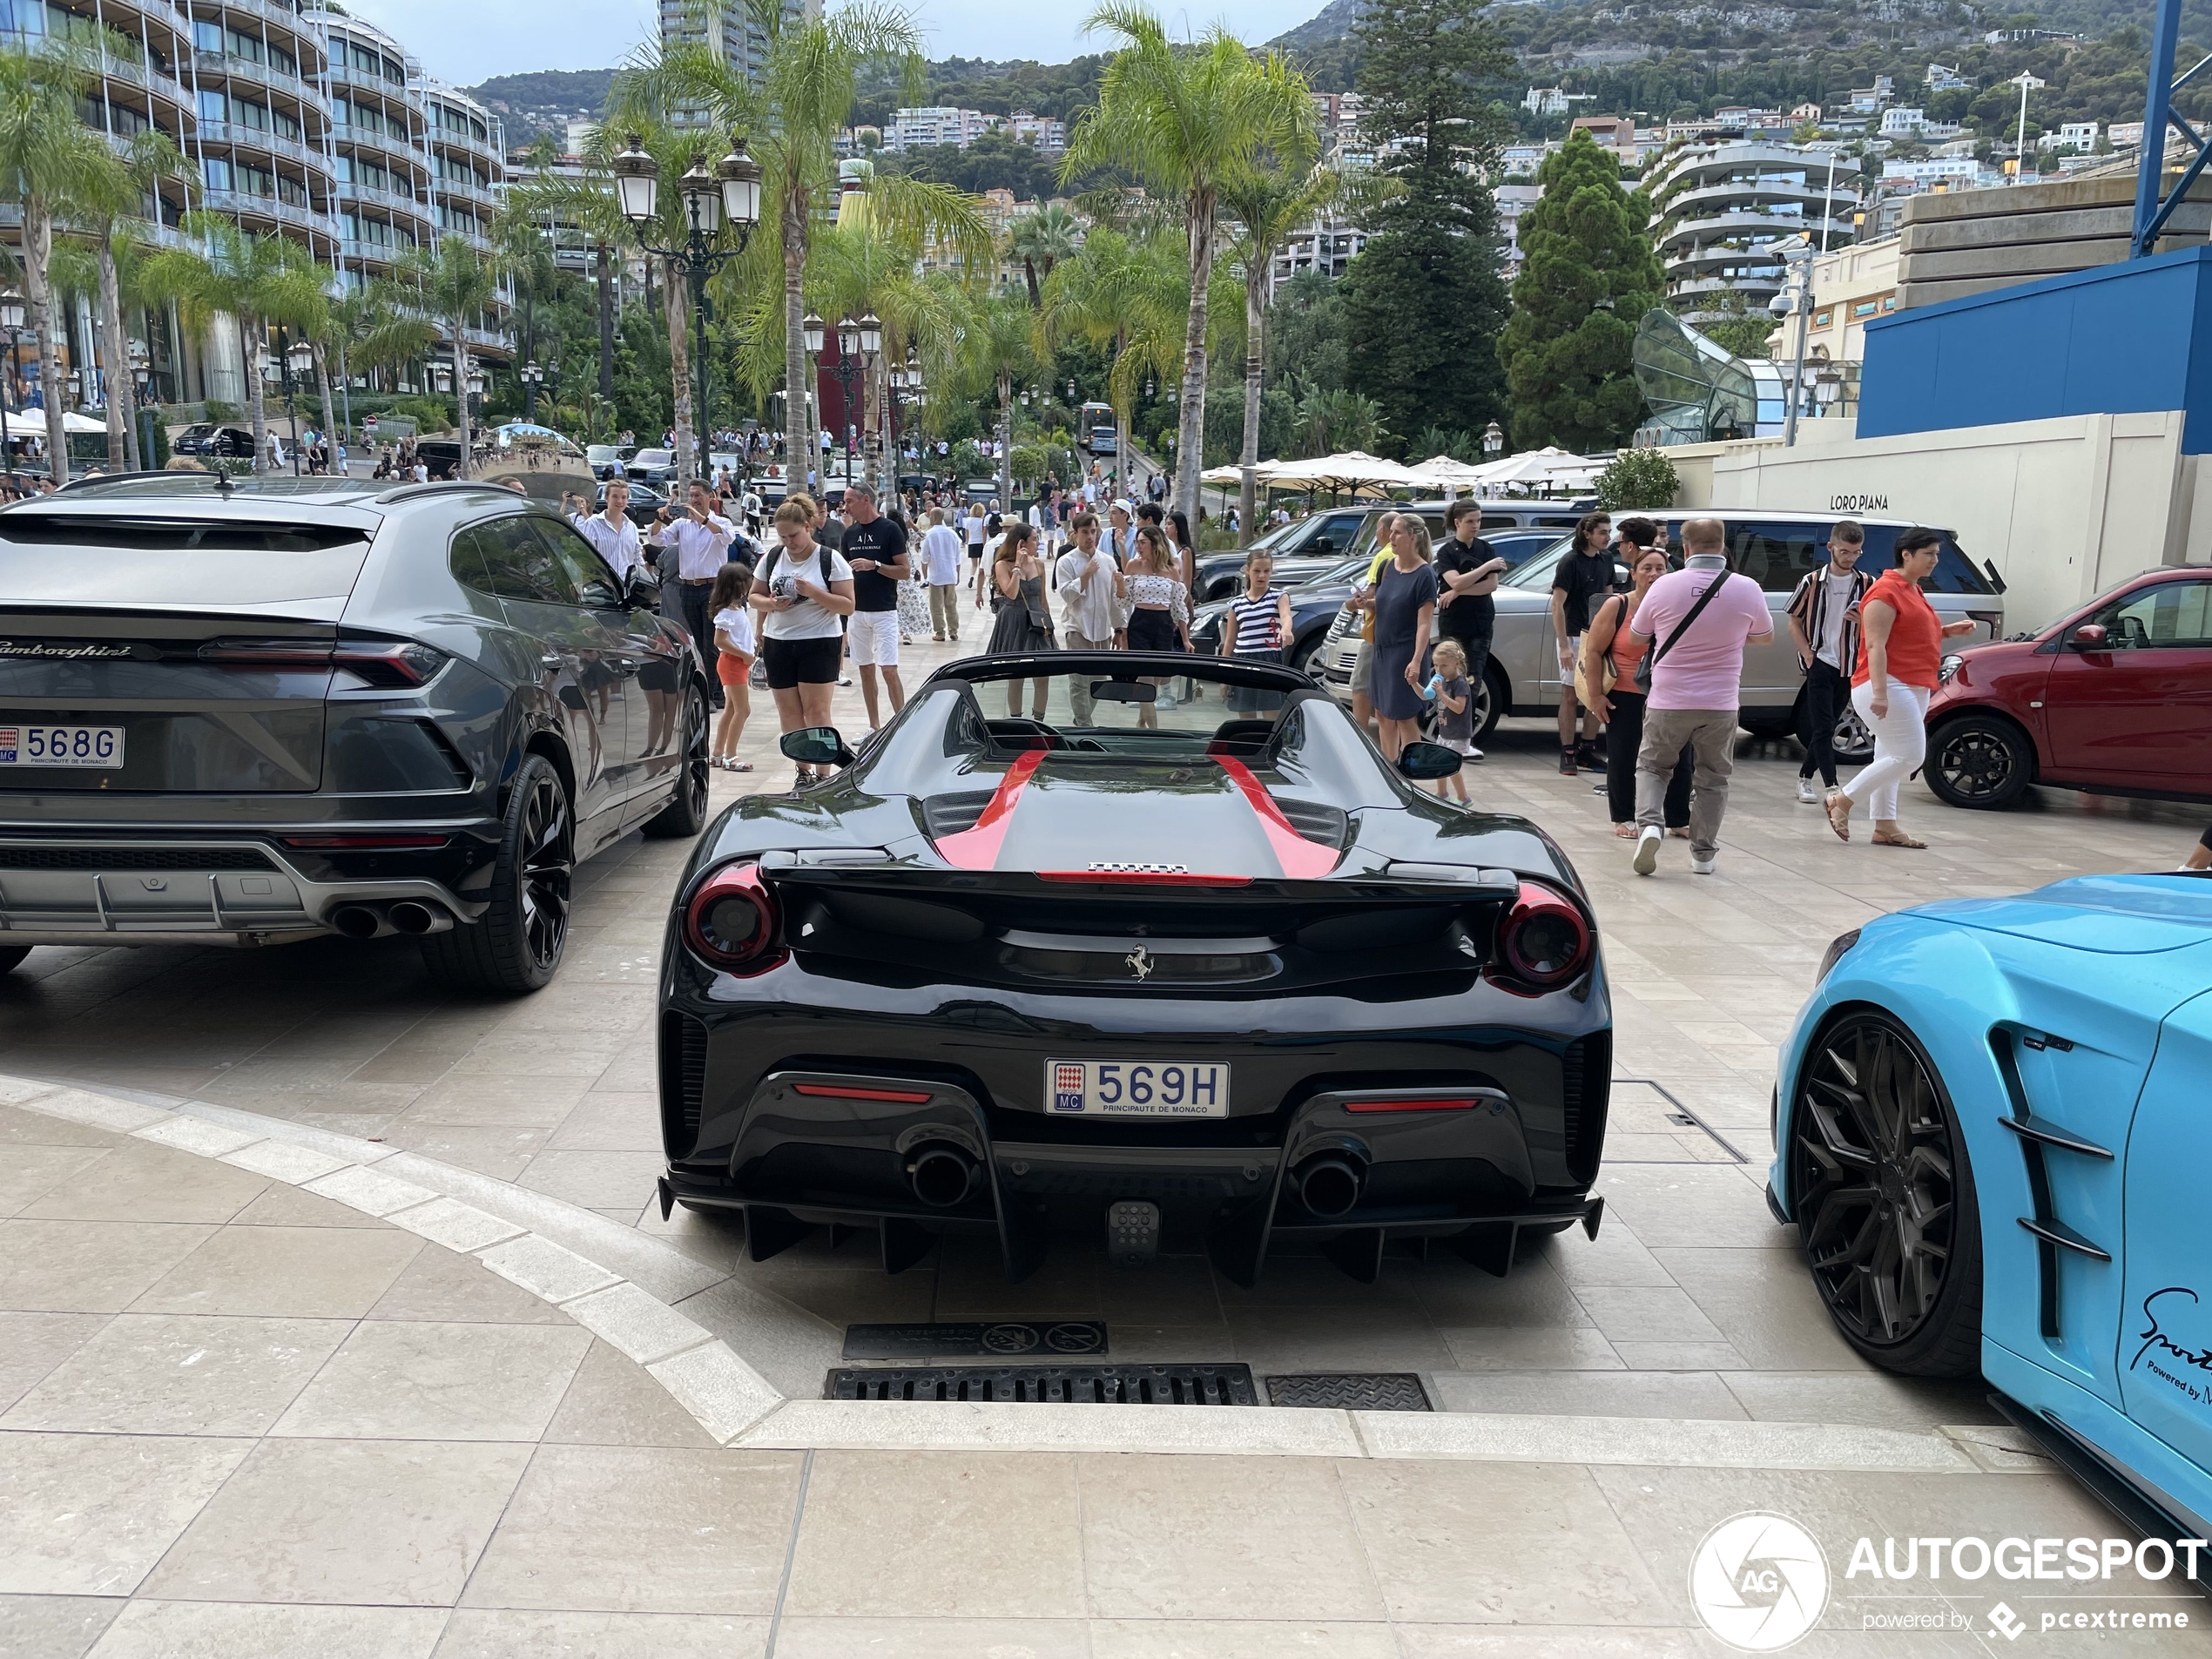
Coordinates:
<point>1900,652</point>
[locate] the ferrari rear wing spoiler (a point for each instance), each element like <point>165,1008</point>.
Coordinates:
<point>1397,882</point>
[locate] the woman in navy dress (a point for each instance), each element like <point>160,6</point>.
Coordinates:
<point>1405,602</point>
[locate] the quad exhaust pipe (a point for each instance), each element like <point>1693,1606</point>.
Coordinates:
<point>414,917</point>
<point>941,1175</point>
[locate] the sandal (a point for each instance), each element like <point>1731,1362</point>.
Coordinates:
<point>1624,832</point>
<point>1838,807</point>
<point>737,766</point>
<point>1898,839</point>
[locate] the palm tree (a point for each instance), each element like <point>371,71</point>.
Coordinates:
<point>586,202</point>
<point>107,207</point>
<point>1185,120</point>
<point>995,345</point>
<point>47,157</point>
<point>1270,200</point>
<point>447,288</point>
<point>1125,295</point>
<point>259,281</point>
<point>792,122</point>
<point>1043,238</point>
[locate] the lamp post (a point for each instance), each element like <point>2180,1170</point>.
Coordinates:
<point>1796,298</point>
<point>142,380</point>
<point>856,342</point>
<point>726,197</point>
<point>1494,440</point>
<point>11,315</point>
<point>532,377</point>
<point>294,357</point>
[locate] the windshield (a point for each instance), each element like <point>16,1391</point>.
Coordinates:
<point>1100,716</point>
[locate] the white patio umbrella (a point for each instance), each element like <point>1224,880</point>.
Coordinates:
<point>1352,472</point>
<point>72,421</point>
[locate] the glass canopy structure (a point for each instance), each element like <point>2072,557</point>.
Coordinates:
<point>1697,391</point>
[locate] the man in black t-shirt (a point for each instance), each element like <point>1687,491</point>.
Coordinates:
<point>876,549</point>
<point>1468,568</point>
<point>1586,573</point>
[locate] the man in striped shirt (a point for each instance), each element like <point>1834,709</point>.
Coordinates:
<point>1824,626</point>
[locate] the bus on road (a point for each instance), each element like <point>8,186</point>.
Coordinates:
<point>1095,428</point>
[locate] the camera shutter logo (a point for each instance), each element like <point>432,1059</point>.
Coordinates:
<point>1758,1582</point>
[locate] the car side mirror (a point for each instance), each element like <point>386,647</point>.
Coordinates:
<point>641,588</point>
<point>2089,636</point>
<point>1425,762</point>
<point>819,745</point>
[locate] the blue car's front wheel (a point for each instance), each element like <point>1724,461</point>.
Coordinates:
<point>1885,1198</point>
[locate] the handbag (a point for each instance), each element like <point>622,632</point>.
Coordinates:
<point>1649,660</point>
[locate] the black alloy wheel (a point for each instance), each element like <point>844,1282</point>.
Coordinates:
<point>686,814</point>
<point>516,944</point>
<point>1884,1201</point>
<point>1979,760</point>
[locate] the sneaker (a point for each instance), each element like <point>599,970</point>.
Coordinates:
<point>1473,753</point>
<point>1807,794</point>
<point>1567,766</point>
<point>1648,849</point>
<point>1700,866</point>
<point>1586,758</point>
<point>1599,787</point>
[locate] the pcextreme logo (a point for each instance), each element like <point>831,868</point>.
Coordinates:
<point>1758,1582</point>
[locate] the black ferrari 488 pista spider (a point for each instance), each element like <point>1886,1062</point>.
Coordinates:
<point>1157,944</point>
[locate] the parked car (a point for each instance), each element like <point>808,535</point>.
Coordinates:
<point>1990,1132</point>
<point>210,438</point>
<point>609,459</point>
<point>652,466</point>
<point>1021,1022</point>
<point>1221,576</point>
<point>1774,549</point>
<point>253,712</point>
<point>2115,697</point>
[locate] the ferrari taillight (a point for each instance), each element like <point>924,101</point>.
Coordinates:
<point>730,921</point>
<point>1543,942</point>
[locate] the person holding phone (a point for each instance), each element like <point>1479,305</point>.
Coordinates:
<point>701,538</point>
<point>804,592</point>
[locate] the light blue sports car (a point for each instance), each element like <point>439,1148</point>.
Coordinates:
<point>1994,1129</point>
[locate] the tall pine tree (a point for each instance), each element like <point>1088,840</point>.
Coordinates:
<point>1589,273</point>
<point>1424,303</point>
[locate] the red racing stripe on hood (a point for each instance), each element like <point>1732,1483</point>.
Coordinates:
<point>977,847</point>
<point>1298,857</point>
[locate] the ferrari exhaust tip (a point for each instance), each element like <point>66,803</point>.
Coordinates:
<point>1329,1185</point>
<point>356,921</point>
<point>942,1176</point>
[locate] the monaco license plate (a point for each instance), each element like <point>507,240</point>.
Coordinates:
<point>1136,1088</point>
<point>61,746</point>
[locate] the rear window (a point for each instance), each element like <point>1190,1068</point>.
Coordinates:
<point>1777,553</point>
<point>57,558</point>
<point>1954,571</point>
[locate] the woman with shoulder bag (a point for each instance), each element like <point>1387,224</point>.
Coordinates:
<point>1025,623</point>
<point>1610,654</point>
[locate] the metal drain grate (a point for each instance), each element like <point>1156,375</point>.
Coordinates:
<point>1364,1391</point>
<point>1051,1384</point>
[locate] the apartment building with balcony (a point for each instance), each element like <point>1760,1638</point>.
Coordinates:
<point>295,122</point>
<point>1724,208</point>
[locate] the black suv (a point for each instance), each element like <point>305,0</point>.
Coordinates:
<point>258,712</point>
<point>207,438</point>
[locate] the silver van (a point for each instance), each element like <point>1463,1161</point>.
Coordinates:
<point>1777,550</point>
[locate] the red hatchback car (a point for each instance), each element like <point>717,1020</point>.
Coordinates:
<point>2115,698</point>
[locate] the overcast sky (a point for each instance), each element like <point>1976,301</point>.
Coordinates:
<point>487,37</point>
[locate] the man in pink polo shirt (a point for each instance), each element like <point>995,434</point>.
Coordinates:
<point>1696,684</point>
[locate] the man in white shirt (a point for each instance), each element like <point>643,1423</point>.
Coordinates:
<point>610,533</point>
<point>941,550</point>
<point>1090,584</point>
<point>701,539</point>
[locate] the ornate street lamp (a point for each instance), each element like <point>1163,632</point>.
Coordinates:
<point>857,340</point>
<point>1494,440</point>
<point>11,315</point>
<point>718,200</point>
<point>532,377</point>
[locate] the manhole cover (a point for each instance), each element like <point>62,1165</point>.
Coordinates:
<point>1033,1385</point>
<point>1366,1390</point>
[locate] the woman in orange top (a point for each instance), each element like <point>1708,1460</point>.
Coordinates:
<point>1608,643</point>
<point>1900,652</point>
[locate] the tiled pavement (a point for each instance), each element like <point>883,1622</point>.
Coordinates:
<point>241,1421</point>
